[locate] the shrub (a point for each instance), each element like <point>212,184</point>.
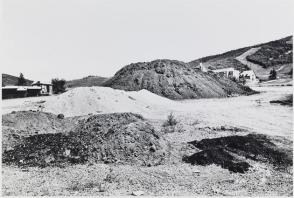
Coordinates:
<point>58,85</point>
<point>171,120</point>
<point>60,116</point>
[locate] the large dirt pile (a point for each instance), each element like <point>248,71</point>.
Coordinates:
<point>109,138</point>
<point>229,152</point>
<point>174,80</point>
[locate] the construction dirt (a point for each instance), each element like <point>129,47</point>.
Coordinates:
<point>175,80</point>
<point>230,152</point>
<point>109,138</point>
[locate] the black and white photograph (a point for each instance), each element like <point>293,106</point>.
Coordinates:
<point>147,98</point>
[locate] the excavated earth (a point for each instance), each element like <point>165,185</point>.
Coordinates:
<point>110,138</point>
<point>229,152</point>
<point>174,80</point>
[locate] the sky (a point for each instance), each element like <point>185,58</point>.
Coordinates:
<point>71,39</point>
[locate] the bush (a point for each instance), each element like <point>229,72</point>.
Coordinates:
<point>60,116</point>
<point>58,85</point>
<point>171,120</point>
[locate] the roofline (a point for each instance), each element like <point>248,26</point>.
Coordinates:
<point>41,84</point>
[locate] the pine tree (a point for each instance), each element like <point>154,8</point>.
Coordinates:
<point>21,80</point>
<point>273,74</point>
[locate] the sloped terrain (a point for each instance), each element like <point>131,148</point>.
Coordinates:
<point>275,53</point>
<point>174,80</point>
<point>110,138</point>
<point>12,80</point>
<point>88,81</point>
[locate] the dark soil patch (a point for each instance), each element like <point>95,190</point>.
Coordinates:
<point>229,151</point>
<point>288,101</point>
<point>111,138</point>
<point>45,149</point>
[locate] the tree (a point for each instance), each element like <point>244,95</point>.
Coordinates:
<point>21,80</point>
<point>58,85</point>
<point>273,74</point>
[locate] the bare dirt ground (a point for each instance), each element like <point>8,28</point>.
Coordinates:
<point>198,119</point>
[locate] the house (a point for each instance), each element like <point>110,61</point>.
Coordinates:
<point>46,88</point>
<point>228,72</point>
<point>249,77</point>
<point>20,91</point>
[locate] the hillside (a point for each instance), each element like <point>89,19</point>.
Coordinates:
<point>174,80</point>
<point>88,81</point>
<point>263,58</point>
<point>12,80</point>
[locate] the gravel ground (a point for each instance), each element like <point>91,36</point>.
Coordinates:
<point>178,179</point>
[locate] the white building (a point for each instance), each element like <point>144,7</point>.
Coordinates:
<point>228,72</point>
<point>203,68</point>
<point>249,76</point>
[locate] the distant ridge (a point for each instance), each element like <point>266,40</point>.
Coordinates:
<point>12,80</point>
<point>88,81</point>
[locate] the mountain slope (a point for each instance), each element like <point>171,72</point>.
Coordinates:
<point>277,54</point>
<point>88,81</point>
<point>12,80</point>
<point>173,79</point>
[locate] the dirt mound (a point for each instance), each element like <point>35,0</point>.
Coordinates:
<point>109,138</point>
<point>85,100</point>
<point>35,122</point>
<point>229,152</point>
<point>174,80</point>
